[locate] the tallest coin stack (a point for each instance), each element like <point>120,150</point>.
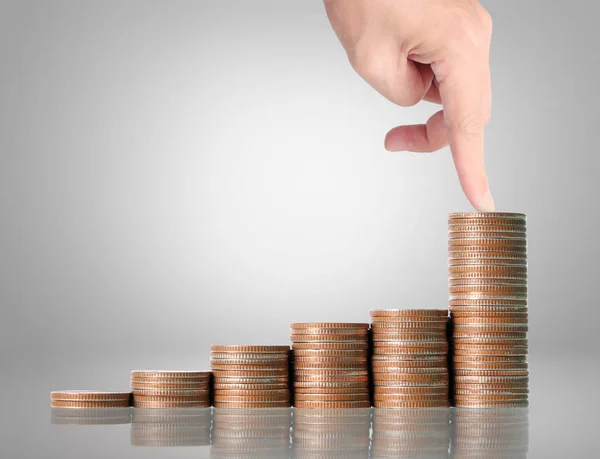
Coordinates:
<point>488,308</point>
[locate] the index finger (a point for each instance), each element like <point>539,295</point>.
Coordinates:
<point>466,95</point>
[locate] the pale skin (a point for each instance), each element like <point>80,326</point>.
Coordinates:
<point>432,50</point>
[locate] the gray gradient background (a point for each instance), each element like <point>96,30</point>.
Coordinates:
<point>185,173</point>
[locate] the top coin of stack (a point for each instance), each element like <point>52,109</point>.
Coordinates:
<point>89,399</point>
<point>488,308</point>
<point>410,358</point>
<point>250,376</point>
<point>170,389</point>
<point>330,365</point>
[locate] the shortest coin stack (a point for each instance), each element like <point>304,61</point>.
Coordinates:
<point>170,389</point>
<point>250,376</point>
<point>410,358</point>
<point>89,399</point>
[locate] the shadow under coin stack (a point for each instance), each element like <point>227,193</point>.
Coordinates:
<point>170,389</point>
<point>171,427</point>
<point>410,433</point>
<point>251,433</point>
<point>488,308</point>
<point>330,365</point>
<point>250,376</point>
<point>410,358</point>
<point>89,399</point>
<point>331,433</point>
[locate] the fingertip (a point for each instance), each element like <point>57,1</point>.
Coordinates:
<point>394,142</point>
<point>486,202</point>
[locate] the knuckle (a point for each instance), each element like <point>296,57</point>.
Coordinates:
<point>469,126</point>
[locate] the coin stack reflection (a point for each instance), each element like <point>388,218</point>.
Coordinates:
<point>170,389</point>
<point>410,358</point>
<point>415,433</point>
<point>498,432</point>
<point>251,433</point>
<point>488,308</point>
<point>330,365</point>
<point>171,427</point>
<point>331,433</point>
<point>91,416</point>
<point>250,376</point>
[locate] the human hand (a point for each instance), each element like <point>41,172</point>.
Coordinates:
<point>434,50</point>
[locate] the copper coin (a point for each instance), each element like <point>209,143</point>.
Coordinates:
<point>488,235</point>
<point>250,373</point>
<point>496,259</point>
<point>295,338</point>
<point>487,244</point>
<point>171,399</point>
<point>405,365</point>
<point>329,378</point>
<point>251,398</point>
<point>244,349</point>
<point>487,282</point>
<point>474,334</point>
<point>524,316</point>
<point>326,360</point>
<point>299,372</point>
<point>488,404</point>
<point>391,326</point>
<point>489,320</point>
<point>331,390</point>
<point>171,392</point>
<point>439,390</point>
<point>513,353</point>
<point>488,358</point>
<point>298,397</point>
<point>398,384</point>
<point>519,385</point>
<point>423,355</point>
<point>392,359</point>
<point>250,387</point>
<point>492,303</point>
<point>252,392</point>
<point>408,313</point>
<point>329,366</point>
<point>330,384</point>
<point>476,365</point>
<point>487,271</point>
<point>487,216</point>
<point>410,397</point>
<point>438,337</point>
<point>484,228</point>
<point>410,404</point>
<point>329,325</point>
<point>496,289</point>
<point>491,398</point>
<point>264,368</point>
<point>412,370</point>
<point>330,331</point>
<point>217,404</point>
<point>399,322</point>
<point>492,329</point>
<point>91,396</point>
<point>490,392</point>
<point>423,377</point>
<point>89,403</point>
<point>325,353</point>
<point>491,378</point>
<point>158,374</point>
<point>331,346</point>
<point>490,341</point>
<point>488,372</point>
<point>333,405</point>
<point>248,357</point>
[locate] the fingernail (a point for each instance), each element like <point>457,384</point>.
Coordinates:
<point>486,204</point>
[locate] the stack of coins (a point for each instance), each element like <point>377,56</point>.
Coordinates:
<point>250,376</point>
<point>251,433</point>
<point>488,308</point>
<point>498,432</point>
<point>171,427</point>
<point>331,433</point>
<point>330,365</point>
<point>89,399</point>
<point>170,389</point>
<point>410,433</point>
<point>410,358</point>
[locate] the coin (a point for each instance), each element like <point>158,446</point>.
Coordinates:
<point>92,396</point>
<point>487,216</point>
<point>408,313</point>
<point>250,387</point>
<point>410,404</point>
<point>329,325</point>
<point>326,353</point>
<point>524,316</point>
<point>250,373</point>
<point>332,405</point>
<point>251,380</point>
<point>355,332</point>
<point>251,398</point>
<point>170,398</point>
<point>249,357</point>
<point>410,397</point>
<point>327,360</point>
<point>252,392</point>
<point>329,366</point>
<point>89,403</point>
<point>155,374</point>
<point>171,392</point>
<point>243,349</point>
<point>302,372</point>
<point>422,377</point>
<point>219,404</point>
<point>331,390</point>
<point>489,403</point>
<point>392,359</point>
<point>329,378</point>
<point>332,384</point>
<point>298,397</point>
<point>250,367</point>
<point>441,389</point>
<point>331,346</point>
<point>398,365</point>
